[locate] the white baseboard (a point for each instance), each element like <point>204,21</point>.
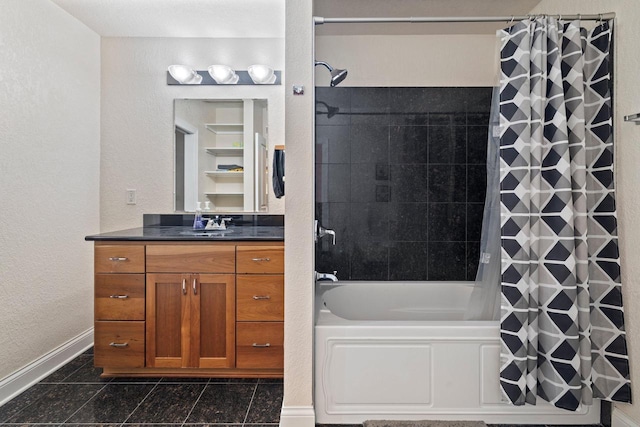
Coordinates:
<point>30,374</point>
<point>620,419</point>
<point>297,416</point>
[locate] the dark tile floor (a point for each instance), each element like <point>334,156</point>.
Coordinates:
<point>488,425</point>
<point>75,394</point>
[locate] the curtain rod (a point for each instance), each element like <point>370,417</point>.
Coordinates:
<point>319,20</point>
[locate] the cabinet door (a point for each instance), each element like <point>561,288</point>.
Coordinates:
<point>119,297</point>
<point>167,305</point>
<point>260,298</point>
<point>260,345</point>
<point>212,321</point>
<point>179,258</point>
<point>119,258</point>
<point>119,344</point>
<point>260,259</point>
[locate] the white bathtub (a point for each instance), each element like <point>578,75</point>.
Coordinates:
<point>391,350</point>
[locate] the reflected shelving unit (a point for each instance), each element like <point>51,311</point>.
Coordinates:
<point>232,135</point>
<point>225,128</point>
<point>230,146</point>
<point>225,189</point>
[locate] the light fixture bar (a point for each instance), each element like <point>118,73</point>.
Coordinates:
<point>243,79</point>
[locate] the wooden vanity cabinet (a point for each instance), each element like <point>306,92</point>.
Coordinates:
<point>197,309</point>
<point>260,305</point>
<point>119,296</point>
<point>190,320</point>
<point>190,315</point>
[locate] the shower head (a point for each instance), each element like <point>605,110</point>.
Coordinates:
<point>337,75</point>
<point>331,111</point>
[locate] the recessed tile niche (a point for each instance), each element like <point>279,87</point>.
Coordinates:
<point>401,178</point>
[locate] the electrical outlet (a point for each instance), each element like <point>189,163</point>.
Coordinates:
<point>131,197</point>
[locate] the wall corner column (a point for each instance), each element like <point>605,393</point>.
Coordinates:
<point>299,214</point>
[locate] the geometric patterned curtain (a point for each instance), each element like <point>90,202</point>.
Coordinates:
<point>562,328</point>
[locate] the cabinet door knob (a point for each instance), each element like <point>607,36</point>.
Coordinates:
<point>258,297</point>
<point>195,289</point>
<point>184,286</point>
<point>261,259</point>
<point>119,296</point>
<point>119,345</point>
<point>256,345</point>
<point>118,258</point>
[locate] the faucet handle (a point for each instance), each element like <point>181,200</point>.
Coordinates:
<point>320,231</point>
<point>333,235</point>
<point>223,224</point>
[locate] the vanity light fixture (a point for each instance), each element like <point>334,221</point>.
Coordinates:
<point>223,74</point>
<point>185,75</point>
<point>262,74</point>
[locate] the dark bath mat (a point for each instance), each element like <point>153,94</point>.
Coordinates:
<point>425,423</point>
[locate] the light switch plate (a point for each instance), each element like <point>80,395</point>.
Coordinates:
<point>131,197</point>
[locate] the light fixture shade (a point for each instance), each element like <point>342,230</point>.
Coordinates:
<point>223,75</point>
<point>262,74</point>
<point>185,75</point>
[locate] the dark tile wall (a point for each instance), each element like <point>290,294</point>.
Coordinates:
<point>401,178</point>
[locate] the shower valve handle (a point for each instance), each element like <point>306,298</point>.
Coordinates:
<point>321,232</point>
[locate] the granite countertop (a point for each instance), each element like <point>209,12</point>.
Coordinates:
<point>186,233</point>
<point>178,227</point>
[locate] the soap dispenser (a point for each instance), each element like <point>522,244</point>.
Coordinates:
<point>197,220</point>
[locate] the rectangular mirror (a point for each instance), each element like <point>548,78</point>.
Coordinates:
<point>221,151</point>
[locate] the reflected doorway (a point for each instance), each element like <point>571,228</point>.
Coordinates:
<point>186,167</point>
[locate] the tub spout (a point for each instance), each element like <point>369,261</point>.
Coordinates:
<point>327,276</point>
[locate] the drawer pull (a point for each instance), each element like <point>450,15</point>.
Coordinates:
<point>118,258</point>
<point>119,296</point>
<point>119,345</point>
<point>259,297</point>
<point>256,345</point>
<point>261,259</point>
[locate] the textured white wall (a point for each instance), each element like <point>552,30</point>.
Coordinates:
<point>137,115</point>
<point>416,60</point>
<point>627,152</point>
<point>49,178</point>
<point>299,246</point>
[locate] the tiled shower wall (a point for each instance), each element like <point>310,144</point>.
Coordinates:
<point>401,178</point>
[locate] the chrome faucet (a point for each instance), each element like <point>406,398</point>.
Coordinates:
<point>321,232</point>
<point>327,276</point>
<point>217,223</point>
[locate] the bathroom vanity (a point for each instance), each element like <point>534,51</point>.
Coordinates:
<point>170,301</point>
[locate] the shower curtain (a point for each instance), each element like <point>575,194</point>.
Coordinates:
<point>484,303</point>
<point>562,331</point>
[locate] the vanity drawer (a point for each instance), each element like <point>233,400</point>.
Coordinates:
<point>260,298</point>
<point>260,259</point>
<point>260,345</point>
<point>190,259</point>
<point>119,259</point>
<point>119,344</point>
<point>119,297</point>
